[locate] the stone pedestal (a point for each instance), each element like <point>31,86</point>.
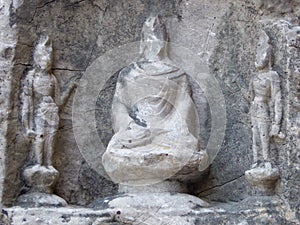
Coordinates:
<point>40,179</point>
<point>37,199</point>
<point>162,187</point>
<point>165,210</point>
<point>262,180</point>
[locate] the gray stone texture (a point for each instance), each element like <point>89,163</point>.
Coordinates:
<point>251,211</point>
<point>223,33</point>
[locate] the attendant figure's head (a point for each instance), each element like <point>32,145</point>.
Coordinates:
<point>43,54</point>
<point>264,58</point>
<point>154,39</point>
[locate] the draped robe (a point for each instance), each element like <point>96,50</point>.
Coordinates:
<point>155,124</point>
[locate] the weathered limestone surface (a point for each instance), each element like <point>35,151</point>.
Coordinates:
<point>8,41</point>
<point>249,212</point>
<point>224,34</point>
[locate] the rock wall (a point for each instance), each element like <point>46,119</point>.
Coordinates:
<point>223,34</point>
<point>11,65</point>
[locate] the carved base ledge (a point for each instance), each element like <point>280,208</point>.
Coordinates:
<point>37,199</point>
<point>164,202</point>
<point>253,210</point>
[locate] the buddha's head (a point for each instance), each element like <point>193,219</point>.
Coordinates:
<point>154,39</point>
<point>263,52</point>
<point>43,53</point>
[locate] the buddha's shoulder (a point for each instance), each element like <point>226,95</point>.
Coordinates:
<point>127,71</point>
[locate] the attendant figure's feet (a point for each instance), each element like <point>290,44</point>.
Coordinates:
<point>262,164</point>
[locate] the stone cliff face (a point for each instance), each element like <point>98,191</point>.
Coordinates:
<point>224,34</point>
<point>80,31</point>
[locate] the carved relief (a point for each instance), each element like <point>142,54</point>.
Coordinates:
<point>265,91</point>
<point>40,118</point>
<point>153,117</point>
<point>266,115</point>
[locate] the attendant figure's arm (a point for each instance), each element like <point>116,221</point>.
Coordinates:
<point>67,93</point>
<point>61,99</point>
<point>56,95</point>
<point>276,98</point>
<point>27,110</point>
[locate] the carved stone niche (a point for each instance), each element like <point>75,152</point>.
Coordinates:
<point>152,119</point>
